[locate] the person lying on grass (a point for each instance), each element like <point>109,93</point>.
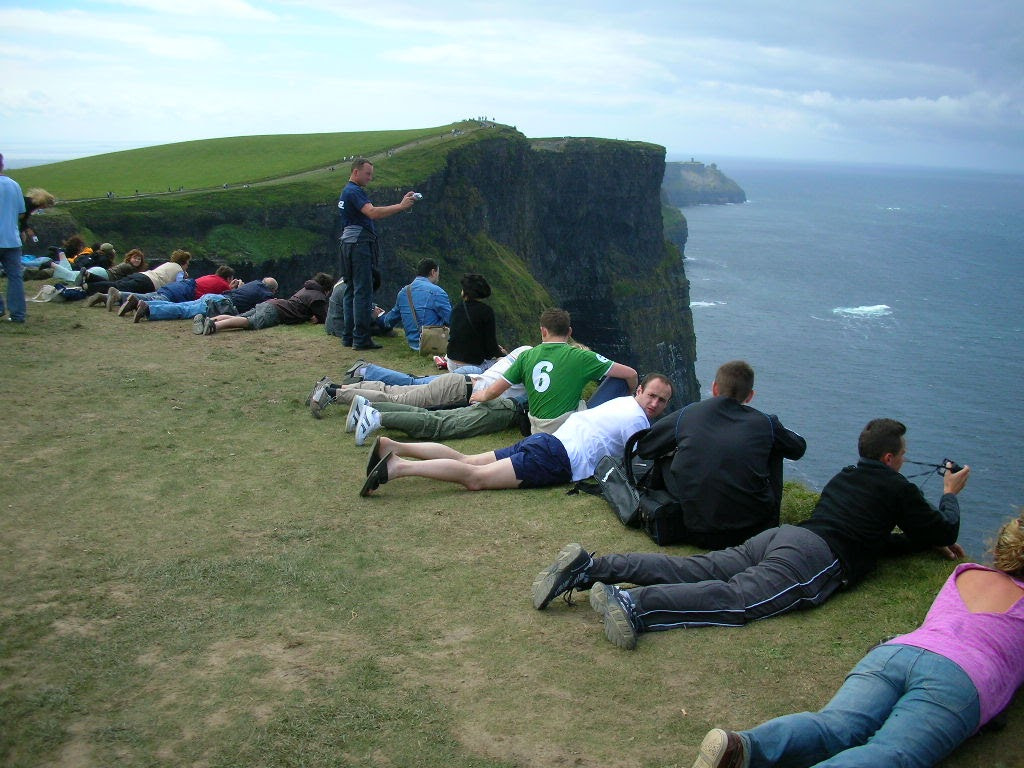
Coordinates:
<point>788,568</point>
<point>914,699</point>
<point>541,459</point>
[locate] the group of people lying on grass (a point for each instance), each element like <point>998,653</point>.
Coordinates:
<point>213,302</point>
<point>909,702</point>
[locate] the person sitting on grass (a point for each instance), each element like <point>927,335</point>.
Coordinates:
<point>788,568</point>
<point>308,304</point>
<point>555,372</point>
<point>422,302</point>
<point>914,699</point>
<point>541,459</point>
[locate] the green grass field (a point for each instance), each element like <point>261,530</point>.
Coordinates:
<point>189,578</point>
<point>211,163</point>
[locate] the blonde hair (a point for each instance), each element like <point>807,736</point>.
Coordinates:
<point>41,198</point>
<point>1008,551</point>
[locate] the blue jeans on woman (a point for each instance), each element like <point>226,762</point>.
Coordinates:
<point>900,706</point>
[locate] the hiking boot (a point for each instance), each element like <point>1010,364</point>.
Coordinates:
<point>113,298</point>
<point>141,311</point>
<point>355,410</point>
<point>722,749</point>
<point>619,622</point>
<point>562,575</point>
<point>325,382</point>
<point>369,422</point>
<point>96,300</point>
<point>129,305</point>
<point>319,400</point>
<point>209,326</point>
<point>197,326</point>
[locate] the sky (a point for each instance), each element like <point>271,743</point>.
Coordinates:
<point>893,82</point>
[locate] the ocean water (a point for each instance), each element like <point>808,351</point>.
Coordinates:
<point>860,292</point>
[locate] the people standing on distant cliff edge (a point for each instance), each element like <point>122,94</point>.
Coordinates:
<point>360,252</point>
<point>308,304</point>
<point>12,205</point>
<point>913,699</point>
<point>783,569</point>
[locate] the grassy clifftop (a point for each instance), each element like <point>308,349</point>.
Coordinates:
<point>189,577</point>
<point>211,163</point>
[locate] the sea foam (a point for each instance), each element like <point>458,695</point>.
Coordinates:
<point>875,310</point>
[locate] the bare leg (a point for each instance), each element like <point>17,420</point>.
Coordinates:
<point>432,451</point>
<point>475,477</point>
<point>224,322</point>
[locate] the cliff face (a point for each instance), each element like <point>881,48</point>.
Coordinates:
<point>694,183</point>
<point>575,223</point>
<point>583,217</point>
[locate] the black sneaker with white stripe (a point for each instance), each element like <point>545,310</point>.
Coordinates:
<point>568,571</point>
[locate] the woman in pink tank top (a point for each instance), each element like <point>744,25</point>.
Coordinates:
<point>913,700</point>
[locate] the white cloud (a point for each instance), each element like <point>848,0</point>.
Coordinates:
<point>216,9</point>
<point>759,78</point>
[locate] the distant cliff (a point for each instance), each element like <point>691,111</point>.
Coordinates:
<point>575,223</point>
<point>694,183</point>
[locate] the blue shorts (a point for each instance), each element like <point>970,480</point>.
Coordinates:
<point>538,461</point>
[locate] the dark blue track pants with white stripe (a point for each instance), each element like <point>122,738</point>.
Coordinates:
<point>779,570</point>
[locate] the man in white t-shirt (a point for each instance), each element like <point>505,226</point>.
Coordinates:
<point>571,453</point>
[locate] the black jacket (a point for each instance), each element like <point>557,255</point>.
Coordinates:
<point>471,338</point>
<point>861,505</point>
<point>727,468</point>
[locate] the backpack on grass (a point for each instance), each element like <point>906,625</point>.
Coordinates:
<point>633,488</point>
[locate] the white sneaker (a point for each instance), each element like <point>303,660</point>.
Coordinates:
<point>369,422</point>
<point>354,412</point>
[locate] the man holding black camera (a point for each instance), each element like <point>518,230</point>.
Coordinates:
<point>779,570</point>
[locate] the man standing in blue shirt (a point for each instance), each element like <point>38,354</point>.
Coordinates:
<point>12,205</point>
<point>430,304</point>
<point>360,251</point>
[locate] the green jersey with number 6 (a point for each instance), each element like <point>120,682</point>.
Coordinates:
<point>554,375</point>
